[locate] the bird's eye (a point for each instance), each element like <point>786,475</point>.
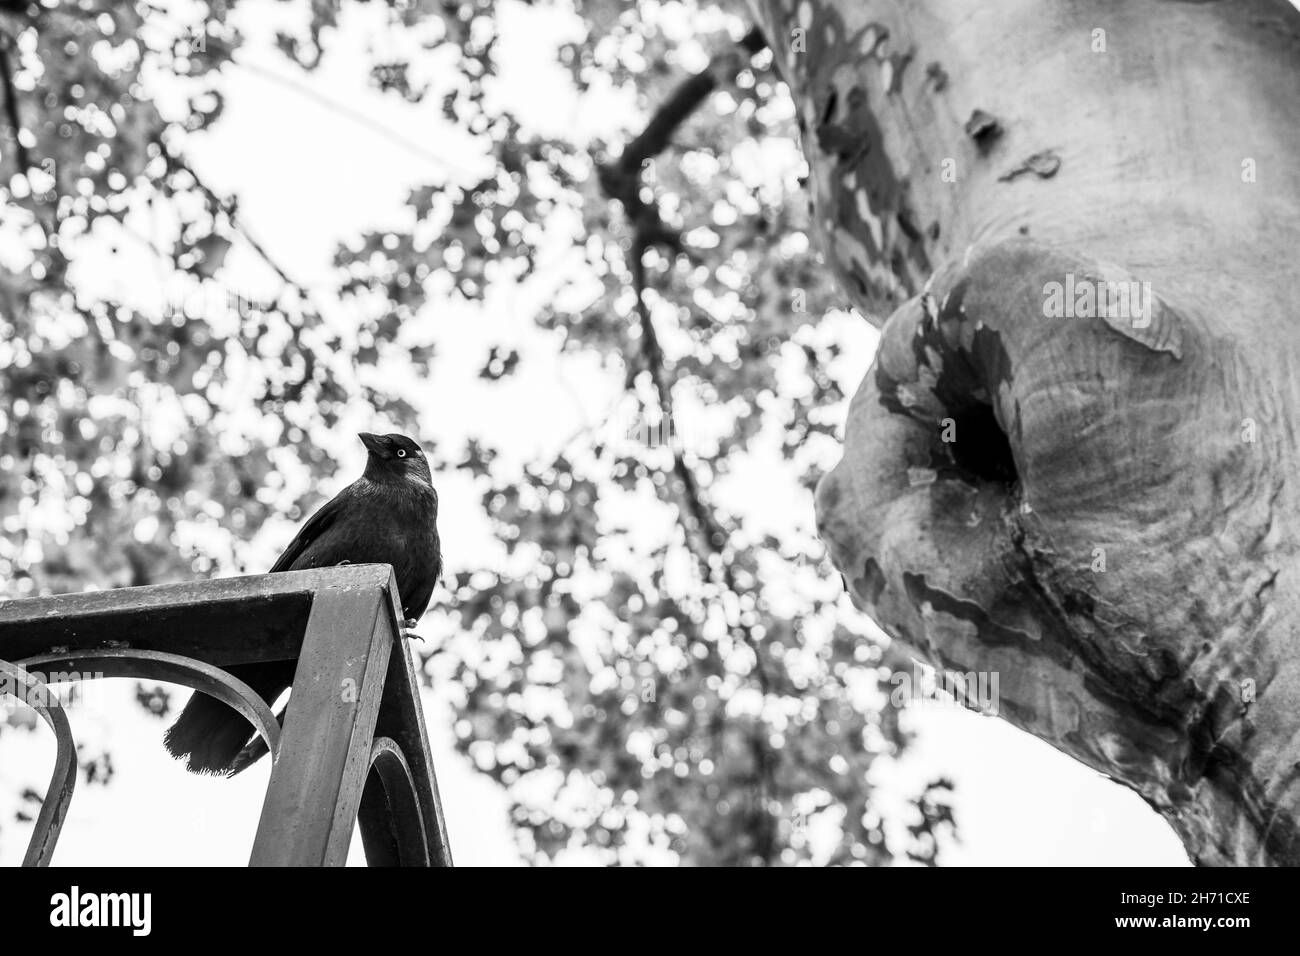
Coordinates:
<point>401,453</point>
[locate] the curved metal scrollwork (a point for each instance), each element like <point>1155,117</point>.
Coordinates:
<point>409,845</point>
<point>175,669</point>
<point>38,696</point>
<point>121,662</point>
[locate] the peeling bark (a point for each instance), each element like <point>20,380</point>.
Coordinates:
<point>1114,529</point>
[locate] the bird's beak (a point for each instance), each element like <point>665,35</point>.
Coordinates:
<point>370,441</point>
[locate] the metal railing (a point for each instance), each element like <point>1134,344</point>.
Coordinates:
<point>353,750</point>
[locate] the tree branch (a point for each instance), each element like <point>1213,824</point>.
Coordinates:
<point>11,103</point>
<point>621,180</point>
<point>177,162</point>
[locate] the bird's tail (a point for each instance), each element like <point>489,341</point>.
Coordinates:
<point>212,734</point>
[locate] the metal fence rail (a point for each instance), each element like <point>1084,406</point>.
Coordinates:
<point>353,750</point>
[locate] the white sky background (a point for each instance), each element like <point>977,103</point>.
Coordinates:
<point>308,177</point>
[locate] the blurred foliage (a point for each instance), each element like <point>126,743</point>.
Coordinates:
<point>635,705</point>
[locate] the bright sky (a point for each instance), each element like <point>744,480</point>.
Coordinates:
<point>311,175</point>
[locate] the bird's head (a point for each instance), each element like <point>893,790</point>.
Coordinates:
<point>395,457</point>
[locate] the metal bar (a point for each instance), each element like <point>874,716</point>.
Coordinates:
<point>315,790</point>
<point>54,807</point>
<point>390,818</point>
<point>225,622</point>
<point>401,718</point>
<point>156,665</point>
<point>342,625</point>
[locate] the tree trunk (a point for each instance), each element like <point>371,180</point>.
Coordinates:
<point>1086,494</point>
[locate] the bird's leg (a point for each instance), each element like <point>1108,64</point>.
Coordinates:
<point>408,629</point>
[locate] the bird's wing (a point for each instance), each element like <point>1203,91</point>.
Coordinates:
<point>316,525</point>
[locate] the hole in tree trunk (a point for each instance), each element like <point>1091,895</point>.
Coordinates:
<point>981,448</point>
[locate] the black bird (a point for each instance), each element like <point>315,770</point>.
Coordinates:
<point>387,516</point>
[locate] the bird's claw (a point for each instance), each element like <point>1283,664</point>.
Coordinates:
<point>408,629</point>
<point>411,635</point>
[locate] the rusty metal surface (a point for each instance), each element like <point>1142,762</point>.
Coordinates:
<point>54,807</point>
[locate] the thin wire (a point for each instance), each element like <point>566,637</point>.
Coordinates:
<point>356,116</point>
